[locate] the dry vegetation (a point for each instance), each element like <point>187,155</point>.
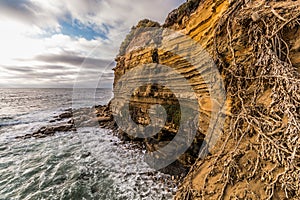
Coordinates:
<point>259,156</point>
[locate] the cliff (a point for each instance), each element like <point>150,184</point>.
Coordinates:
<point>255,46</point>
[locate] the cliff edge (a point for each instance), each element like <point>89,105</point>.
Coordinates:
<point>255,46</point>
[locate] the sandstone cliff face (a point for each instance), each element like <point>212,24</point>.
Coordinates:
<point>153,45</point>
<point>255,45</point>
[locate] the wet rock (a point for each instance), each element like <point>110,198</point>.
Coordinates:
<point>48,131</point>
<point>87,123</point>
<point>83,117</point>
<point>62,128</point>
<point>71,121</point>
<point>69,110</point>
<point>103,119</point>
<point>85,154</point>
<point>65,115</point>
<point>2,148</point>
<point>40,135</point>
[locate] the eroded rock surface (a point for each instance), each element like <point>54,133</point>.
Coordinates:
<point>255,45</point>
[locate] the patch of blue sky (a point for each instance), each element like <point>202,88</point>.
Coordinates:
<point>75,28</point>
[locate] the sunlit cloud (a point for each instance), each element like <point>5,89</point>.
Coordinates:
<point>44,43</point>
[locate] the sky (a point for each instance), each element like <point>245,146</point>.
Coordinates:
<point>59,43</point>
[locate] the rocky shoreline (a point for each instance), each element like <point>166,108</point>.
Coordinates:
<point>255,46</point>
<point>70,120</point>
<point>100,116</point>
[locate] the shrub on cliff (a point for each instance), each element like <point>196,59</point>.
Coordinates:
<point>134,31</point>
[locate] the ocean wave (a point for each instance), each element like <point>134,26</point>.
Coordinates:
<point>11,123</point>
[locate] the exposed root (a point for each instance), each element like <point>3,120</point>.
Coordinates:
<point>264,89</point>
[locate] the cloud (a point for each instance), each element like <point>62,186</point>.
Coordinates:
<point>100,15</point>
<point>72,59</point>
<point>17,69</point>
<point>29,13</point>
<point>45,43</point>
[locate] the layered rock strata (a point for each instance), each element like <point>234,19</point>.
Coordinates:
<point>255,46</point>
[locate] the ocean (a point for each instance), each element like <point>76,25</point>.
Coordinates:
<point>90,163</point>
